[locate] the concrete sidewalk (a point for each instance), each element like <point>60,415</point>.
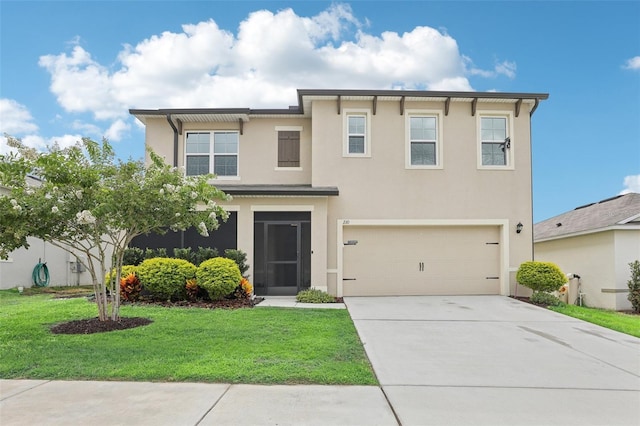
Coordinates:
<point>291,302</point>
<point>41,402</point>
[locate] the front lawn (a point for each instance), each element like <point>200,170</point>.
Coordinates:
<point>260,345</point>
<point>618,321</point>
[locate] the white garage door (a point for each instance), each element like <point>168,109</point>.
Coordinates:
<point>421,260</point>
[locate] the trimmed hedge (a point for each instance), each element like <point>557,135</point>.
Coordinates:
<point>164,278</point>
<point>541,276</point>
<point>218,276</point>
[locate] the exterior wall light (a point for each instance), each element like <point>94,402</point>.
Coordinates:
<point>519,227</point>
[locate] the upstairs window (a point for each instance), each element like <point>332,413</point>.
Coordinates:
<point>423,139</point>
<point>495,150</point>
<point>357,133</point>
<point>212,152</point>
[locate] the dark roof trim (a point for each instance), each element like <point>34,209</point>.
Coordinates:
<point>247,111</point>
<point>273,190</point>
<point>298,110</point>
<point>419,93</point>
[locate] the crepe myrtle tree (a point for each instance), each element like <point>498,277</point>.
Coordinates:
<point>85,201</point>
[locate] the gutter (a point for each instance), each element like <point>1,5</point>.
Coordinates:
<point>175,140</point>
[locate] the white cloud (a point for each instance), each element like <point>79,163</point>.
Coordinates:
<point>116,130</point>
<point>631,184</point>
<point>633,63</point>
<point>271,55</point>
<point>15,118</point>
<point>40,143</point>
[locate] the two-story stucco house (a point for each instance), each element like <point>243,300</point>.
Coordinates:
<point>366,192</point>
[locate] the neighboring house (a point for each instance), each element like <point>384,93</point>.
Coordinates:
<point>365,192</point>
<point>597,242</point>
<point>18,269</point>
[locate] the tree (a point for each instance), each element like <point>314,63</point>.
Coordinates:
<point>89,202</point>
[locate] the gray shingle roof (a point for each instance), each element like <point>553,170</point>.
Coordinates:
<point>619,210</point>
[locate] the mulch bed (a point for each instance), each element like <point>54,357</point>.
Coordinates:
<point>94,325</point>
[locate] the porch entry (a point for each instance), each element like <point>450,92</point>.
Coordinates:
<point>282,253</point>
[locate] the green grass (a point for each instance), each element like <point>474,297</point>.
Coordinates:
<point>261,345</point>
<point>618,321</point>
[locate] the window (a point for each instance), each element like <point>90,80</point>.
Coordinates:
<point>495,142</point>
<point>288,148</point>
<point>423,140</point>
<point>357,131</point>
<point>215,152</point>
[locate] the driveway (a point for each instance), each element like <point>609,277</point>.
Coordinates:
<point>494,360</point>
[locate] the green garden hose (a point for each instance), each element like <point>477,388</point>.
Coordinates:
<point>41,275</point>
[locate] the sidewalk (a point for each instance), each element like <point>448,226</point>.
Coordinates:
<point>290,302</point>
<point>42,402</point>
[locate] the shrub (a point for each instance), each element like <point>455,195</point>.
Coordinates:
<point>126,270</point>
<point>184,253</point>
<point>192,289</point>
<point>244,289</point>
<point>239,257</point>
<point>165,278</point>
<point>130,287</point>
<point>634,285</point>
<point>218,276</point>
<point>204,253</point>
<point>541,276</point>
<point>314,295</point>
<point>152,254</point>
<point>546,299</point>
<point>133,256</point>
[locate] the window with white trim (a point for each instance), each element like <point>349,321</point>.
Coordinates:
<point>356,130</point>
<point>212,152</point>
<point>423,141</point>
<point>495,141</point>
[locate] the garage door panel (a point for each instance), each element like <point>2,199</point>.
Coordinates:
<point>421,261</point>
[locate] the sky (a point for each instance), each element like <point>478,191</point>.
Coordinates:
<point>70,69</point>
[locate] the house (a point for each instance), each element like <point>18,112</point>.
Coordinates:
<point>366,192</point>
<point>596,242</point>
<point>63,268</point>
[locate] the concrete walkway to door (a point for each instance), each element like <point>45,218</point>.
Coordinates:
<point>494,360</point>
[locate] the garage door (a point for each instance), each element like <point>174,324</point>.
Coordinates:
<point>421,260</point>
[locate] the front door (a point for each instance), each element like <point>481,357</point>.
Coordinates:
<point>282,253</point>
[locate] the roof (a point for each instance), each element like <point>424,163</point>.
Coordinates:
<point>618,211</point>
<point>278,190</point>
<point>307,96</point>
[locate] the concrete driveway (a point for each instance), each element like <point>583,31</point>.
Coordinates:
<point>494,360</point>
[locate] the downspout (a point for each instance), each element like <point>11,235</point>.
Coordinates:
<point>175,160</point>
<point>175,140</point>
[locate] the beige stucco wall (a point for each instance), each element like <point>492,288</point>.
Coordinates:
<point>247,206</point>
<point>600,260</point>
<point>258,157</point>
<point>380,187</point>
<point>627,249</point>
<point>17,270</point>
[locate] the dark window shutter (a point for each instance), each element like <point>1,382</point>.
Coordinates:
<point>288,149</point>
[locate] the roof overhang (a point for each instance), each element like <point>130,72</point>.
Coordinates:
<point>279,190</point>
<point>307,96</point>
<point>627,227</point>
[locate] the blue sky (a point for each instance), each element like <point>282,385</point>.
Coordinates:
<point>71,69</point>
